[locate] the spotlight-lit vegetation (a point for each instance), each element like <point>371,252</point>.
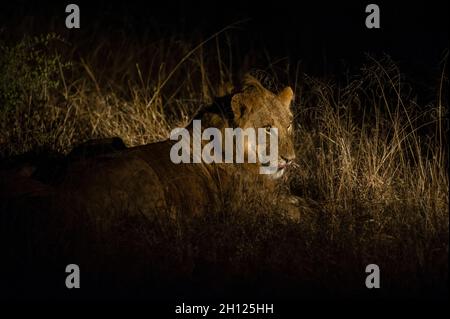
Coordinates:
<point>371,169</point>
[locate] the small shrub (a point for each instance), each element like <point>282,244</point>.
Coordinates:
<point>29,70</point>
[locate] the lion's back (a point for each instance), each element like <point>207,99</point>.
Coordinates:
<point>140,180</point>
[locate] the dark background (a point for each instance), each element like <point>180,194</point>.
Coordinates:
<point>327,37</point>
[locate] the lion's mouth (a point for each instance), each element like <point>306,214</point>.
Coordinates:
<point>284,164</point>
<point>281,165</point>
<point>279,169</point>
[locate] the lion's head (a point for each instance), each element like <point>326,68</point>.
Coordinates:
<point>253,106</point>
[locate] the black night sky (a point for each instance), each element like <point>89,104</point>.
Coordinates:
<point>328,37</point>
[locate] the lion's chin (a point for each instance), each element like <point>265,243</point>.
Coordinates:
<point>278,174</point>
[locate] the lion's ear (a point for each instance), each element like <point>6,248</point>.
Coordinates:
<point>286,96</point>
<point>238,105</point>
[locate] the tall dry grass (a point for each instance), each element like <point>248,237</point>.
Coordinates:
<point>371,168</point>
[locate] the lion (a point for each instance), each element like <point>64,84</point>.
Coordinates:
<point>144,180</point>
